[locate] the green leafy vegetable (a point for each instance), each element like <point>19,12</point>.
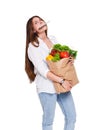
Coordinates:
<point>73,53</point>
<point>56,57</point>
<point>61,48</point>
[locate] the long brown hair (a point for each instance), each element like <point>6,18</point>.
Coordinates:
<point>31,37</point>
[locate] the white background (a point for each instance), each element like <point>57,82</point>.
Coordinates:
<point>73,23</point>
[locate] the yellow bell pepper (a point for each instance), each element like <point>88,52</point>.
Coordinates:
<point>49,57</point>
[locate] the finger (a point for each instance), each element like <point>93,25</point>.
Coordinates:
<point>70,82</point>
<point>69,89</point>
<point>70,86</point>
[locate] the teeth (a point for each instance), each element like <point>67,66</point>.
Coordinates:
<point>44,25</point>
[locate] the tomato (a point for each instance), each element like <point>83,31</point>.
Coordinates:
<point>53,52</point>
<point>64,54</point>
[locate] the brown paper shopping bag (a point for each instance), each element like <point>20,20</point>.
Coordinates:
<point>65,70</point>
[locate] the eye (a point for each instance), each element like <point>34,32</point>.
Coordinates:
<point>36,22</point>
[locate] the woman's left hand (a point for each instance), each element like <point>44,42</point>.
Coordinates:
<point>71,60</point>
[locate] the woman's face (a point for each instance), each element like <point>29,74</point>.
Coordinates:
<point>39,25</point>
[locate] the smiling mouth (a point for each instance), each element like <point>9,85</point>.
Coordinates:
<point>42,26</point>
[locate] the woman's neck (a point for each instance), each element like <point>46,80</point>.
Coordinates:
<point>46,40</point>
<point>42,36</point>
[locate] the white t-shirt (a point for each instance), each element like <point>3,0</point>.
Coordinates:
<point>38,57</point>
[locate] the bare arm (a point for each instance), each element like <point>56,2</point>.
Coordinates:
<point>53,77</point>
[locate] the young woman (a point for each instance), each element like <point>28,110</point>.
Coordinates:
<point>38,45</point>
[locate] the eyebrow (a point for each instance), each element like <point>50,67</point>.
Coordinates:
<point>36,21</point>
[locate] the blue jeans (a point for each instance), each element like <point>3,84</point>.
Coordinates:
<point>65,101</point>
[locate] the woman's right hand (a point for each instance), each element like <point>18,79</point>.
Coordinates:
<point>67,85</point>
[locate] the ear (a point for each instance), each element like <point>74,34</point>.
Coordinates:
<point>34,31</point>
